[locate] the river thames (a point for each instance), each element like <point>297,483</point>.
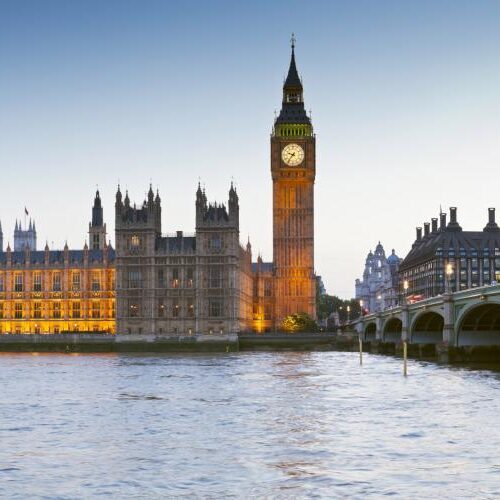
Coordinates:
<point>278,424</point>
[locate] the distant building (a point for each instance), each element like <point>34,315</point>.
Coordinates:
<point>320,285</point>
<point>472,258</point>
<point>24,238</point>
<point>378,290</point>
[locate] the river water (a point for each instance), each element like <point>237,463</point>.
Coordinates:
<point>275,425</point>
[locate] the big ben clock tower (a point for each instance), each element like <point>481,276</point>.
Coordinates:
<point>293,168</point>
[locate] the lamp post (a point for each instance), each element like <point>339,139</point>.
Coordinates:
<point>449,273</point>
<point>405,288</point>
<point>348,313</point>
<point>361,308</point>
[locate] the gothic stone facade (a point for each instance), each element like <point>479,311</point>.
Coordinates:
<point>293,172</point>
<point>182,284</point>
<point>56,291</point>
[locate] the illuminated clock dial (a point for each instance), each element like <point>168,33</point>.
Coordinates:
<point>292,155</point>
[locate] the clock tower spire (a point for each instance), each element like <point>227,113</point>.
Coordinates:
<point>293,170</point>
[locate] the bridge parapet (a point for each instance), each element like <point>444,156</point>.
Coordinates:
<point>438,319</point>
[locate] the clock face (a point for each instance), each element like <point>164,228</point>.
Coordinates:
<point>292,155</point>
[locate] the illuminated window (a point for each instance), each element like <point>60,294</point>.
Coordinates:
<point>1,311</point>
<point>56,311</point>
<point>56,282</point>
<point>37,310</point>
<point>76,281</point>
<point>190,308</point>
<point>189,277</point>
<point>18,310</point>
<point>18,282</point>
<point>175,278</point>
<point>96,309</point>
<point>175,308</point>
<point>96,281</point>
<point>75,310</point>
<point>133,309</point>
<point>161,309</point>
<point>37,282</point>
<point>135,241</point>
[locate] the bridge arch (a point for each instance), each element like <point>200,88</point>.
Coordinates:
<point>427,328</point>
<point>393,328</point>
<point>479,324</point>
<point>371,331</point>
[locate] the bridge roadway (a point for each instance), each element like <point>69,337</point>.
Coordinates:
<point>455,320</point>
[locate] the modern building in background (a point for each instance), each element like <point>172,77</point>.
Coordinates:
<point>447,258</point>
<point>379,288</point>
<point>54,291</point>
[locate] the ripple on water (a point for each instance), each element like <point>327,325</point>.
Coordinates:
<point>275,425</point>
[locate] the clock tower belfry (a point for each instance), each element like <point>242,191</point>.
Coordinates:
<point>293,169</point>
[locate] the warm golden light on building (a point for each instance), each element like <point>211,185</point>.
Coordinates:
<point>56,292</point>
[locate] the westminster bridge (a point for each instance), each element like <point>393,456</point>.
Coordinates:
<point>460,319</point>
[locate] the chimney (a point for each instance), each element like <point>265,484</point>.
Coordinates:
<point>426,228</point>
<point>419,233</point>
<point>453,215</point>
<point>491,216</point>
<point>492,225</point>
<point>434,224</point>
<point>443,221</point>
<point>454,225</point>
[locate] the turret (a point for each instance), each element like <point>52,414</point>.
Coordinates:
<point>233,205</point>
<point>201,205</point>
<point>97,228</point>
<point>151,198</point>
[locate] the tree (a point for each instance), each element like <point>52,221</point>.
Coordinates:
<point>299,322</point>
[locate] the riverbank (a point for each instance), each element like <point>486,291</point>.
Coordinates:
<point>99,343</point>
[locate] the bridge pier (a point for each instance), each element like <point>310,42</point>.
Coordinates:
<point>378,323</point>
<point>449,320</point>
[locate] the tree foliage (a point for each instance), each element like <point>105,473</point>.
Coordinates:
<point>299,322</point>
<point>328,304</point>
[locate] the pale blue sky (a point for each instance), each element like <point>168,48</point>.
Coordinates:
<point>405,98</point>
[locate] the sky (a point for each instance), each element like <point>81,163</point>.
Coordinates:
<point>405,101</point>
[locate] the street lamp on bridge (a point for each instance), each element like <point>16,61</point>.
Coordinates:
<point>449,273</point>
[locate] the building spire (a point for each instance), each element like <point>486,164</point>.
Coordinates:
<point>292,108</point>
<point>292,80</point>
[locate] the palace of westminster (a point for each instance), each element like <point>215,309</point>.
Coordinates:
<point>154,284</point>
